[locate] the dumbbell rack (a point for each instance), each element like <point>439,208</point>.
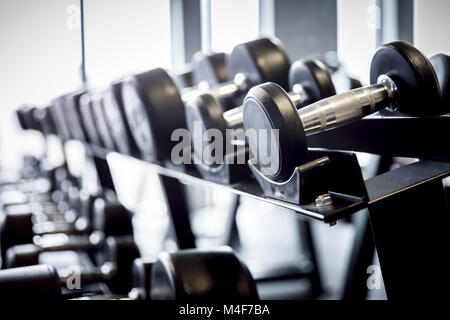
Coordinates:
<point>408,209</point>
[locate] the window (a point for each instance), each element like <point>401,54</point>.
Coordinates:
<point>233,22</point>
<point>124,37</point>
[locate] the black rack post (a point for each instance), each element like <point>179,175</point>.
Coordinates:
<point>410,225</point>
<point>178,211</point>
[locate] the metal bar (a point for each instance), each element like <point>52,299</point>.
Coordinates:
<point>390,136</point>
<point>176,34</point>
<point>379,187</point>
<point>185,31</point>
<point>205,9</point>
<point>309,248</point>
<point>405,178</point>
<point>311,20</point>
<point>178,211</point>
<point>104,173</point>
<point>231,230</point>
<point>361,257</point>
<point>83,56</point>
<point>397,21</point>
<point>267,17</point>
<point>191,28</point>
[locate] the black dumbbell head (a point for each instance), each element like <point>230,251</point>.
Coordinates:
<point>116,118</point>
<point>154,109</point>
<point>201,275</point>
<point>25,117</point>
<point>204,112</point>
<point>121,252</point>
<point>72,115</point>
<point>21,118</point>
<point>441,65</point>
<point>260,60</point>
<point>314,77</point>
<point>274,131</point>
<point>98,114</point>
<point>33,282</point>
<point>112,219</point>
<point>413,75</point>
<point>209,68</point>
<point>184,79</point>
<point>15,227</point>
<point>87,117</point>
<point>22,255</point>
<point>58,112</point>
<point>45,121</point>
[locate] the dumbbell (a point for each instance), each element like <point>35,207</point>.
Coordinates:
<point>309,81</point>
<point>192,274</point>
<point>44,281</point>
<point>154,107</point>
<point>185,275</point>
<point>201,275</point>
<point>110,219</point>
<point>402,78</point>
<point>209,69</point>
<point>184,79</point>
<point>104,117</point>
<point>92,111</point>
<point>25,116</point>
<point>441,65</point>
<point>114,113</point>
<point>79,219</point>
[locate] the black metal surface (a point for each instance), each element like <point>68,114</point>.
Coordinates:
<point>104,173</point>
<point>363,248</point>
<point>361,257</point>
<point>343,206</point>
<point>178,211</point>
<point>410,222</point>
<point>309,248</point>
<point>407,177</point>
<point>390,136</point>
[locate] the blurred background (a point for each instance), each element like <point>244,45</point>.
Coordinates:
<point>40,58</point>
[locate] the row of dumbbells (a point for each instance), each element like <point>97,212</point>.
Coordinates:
<point>150,106</point>
<point>35,222</point>
<point>42,121</point>
<point>138,114</point>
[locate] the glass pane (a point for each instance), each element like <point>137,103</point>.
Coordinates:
<point>233,22</point>
<point>125,37</point>
<point>39,59</point>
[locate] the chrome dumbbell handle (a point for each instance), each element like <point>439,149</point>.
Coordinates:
<point>348,106</point>
<point>222,90</point>
<point>95,240</point>
<point>234,118</point>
